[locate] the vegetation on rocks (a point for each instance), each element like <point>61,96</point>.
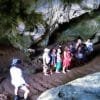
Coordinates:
<point>14,12</point>
<point>86,28</point>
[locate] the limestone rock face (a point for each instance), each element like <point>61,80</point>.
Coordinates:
<point>55,12</point>
<point>96,38</point>
<point>91,4</point>
<point>86,88</point>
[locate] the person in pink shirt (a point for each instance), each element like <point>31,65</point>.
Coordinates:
<point>67,57</point>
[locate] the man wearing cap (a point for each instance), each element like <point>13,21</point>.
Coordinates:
<point>17,79</point>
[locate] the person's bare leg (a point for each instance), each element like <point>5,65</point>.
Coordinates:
<point>45,70</point>
<point>64,68</point>
<point>16,91</point>
<point>26,94</point>
<point>26,90</point>
<point>51,71</point>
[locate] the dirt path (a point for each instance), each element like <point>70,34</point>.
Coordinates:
<point>40,83</point>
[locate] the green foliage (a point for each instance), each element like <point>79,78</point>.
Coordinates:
<point>14,11</point>
<point>11,10</point>
<point>4,40</point>
<point>21,42</point>
<point>32,19</point>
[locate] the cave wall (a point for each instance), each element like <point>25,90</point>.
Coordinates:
<point>38,21</point>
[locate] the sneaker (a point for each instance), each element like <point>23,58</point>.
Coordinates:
<point>51,73</point>
<point>64,72</point>
<point>68,70</point>
<point>46,74</point>
<point>57,72</point>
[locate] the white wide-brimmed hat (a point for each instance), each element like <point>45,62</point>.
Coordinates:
<point>46,50</point>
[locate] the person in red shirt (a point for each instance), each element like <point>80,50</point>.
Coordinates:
<point>67,57</point>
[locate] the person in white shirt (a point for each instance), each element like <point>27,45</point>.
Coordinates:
<point>89,45</point>
<point>46,61</point>
<point>17,79</point>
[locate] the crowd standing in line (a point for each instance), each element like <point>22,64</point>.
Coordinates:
<point>60,59</point>
<point>55,60</point>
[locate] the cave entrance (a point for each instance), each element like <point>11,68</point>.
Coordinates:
<point>52,39</point>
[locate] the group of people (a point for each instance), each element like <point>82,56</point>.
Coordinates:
<point>59,58</point>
